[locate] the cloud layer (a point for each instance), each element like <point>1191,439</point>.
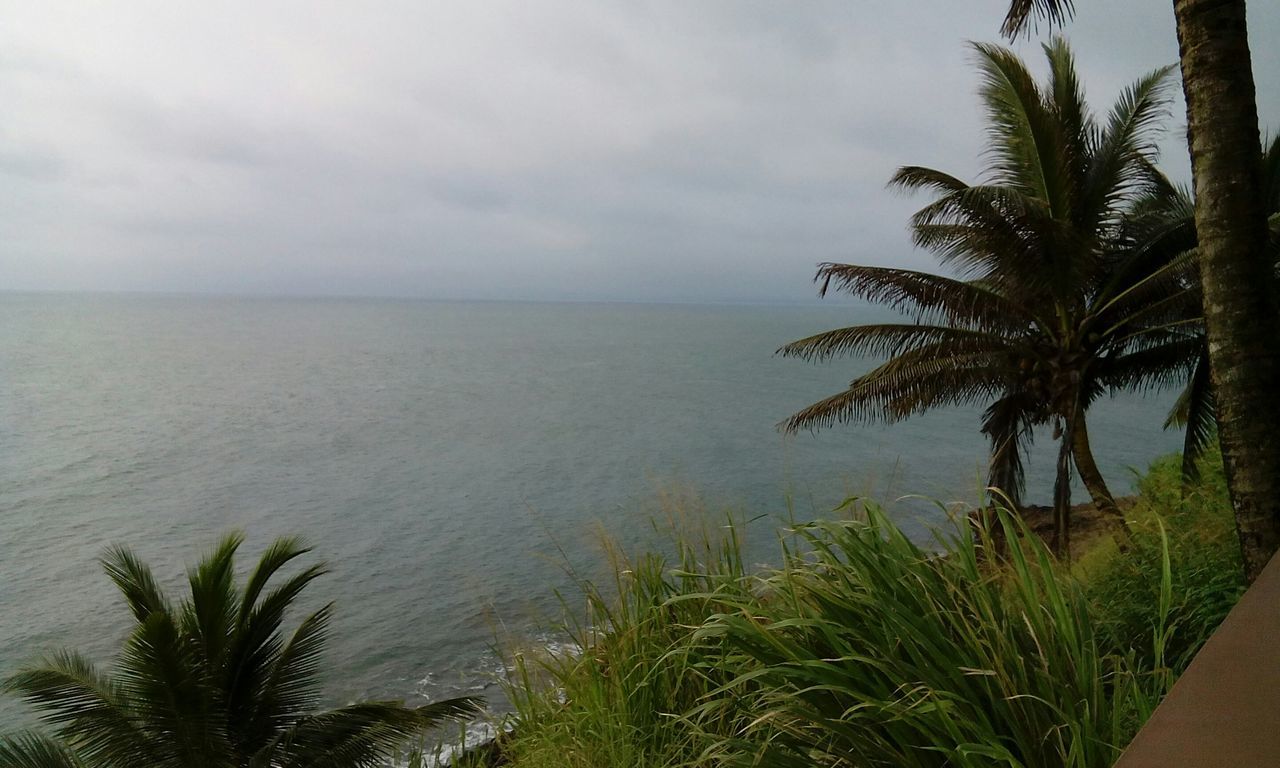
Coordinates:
<point>617,149</point>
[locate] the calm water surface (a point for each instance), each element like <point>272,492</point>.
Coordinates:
<point>445,458</point>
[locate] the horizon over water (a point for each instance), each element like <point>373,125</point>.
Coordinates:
<point>447,458</point>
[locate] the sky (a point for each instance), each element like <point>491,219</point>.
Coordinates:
<point>633,150</point>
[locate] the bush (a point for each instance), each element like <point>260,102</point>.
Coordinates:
<point>1205,569</point>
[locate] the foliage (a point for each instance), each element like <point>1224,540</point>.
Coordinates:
<point>1204,555</point>
<point>1163,224</point>
<point>617,698</point>
<point>866,649</point>
<point>879,652</point>
<point>1052,306</point>
<point>210,681</point>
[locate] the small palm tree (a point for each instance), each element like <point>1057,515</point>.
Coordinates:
<point>210,682</point>
<point>1050,309</point>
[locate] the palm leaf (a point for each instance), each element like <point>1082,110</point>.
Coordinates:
<point>1010,426</point>
<point>161,674</point>
<point>209,615</point>
<point>1056,12</point>
<point>36,750</point>
<point>361,734</point>
<point>292,686</point>
<point>134,579</point>
<point>889,340</point>
<point>279,554</point>
<point>1121,164</point>
<point>927,297</point>
<point>85,707</point>
<point>1196,411</point>
<point>1024,137</point>
<point>908,384</point>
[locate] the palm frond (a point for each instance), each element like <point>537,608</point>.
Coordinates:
<point>134,580</point>
<point>1010,426</point>
<point>1162,364</point>
<point>258,646</point>
<point>927,297</point>
<point>913,178</point>
<point>160,673</point>
<point>209,615</point>
<point>909,383</point>
<point>1024,147</point>
<point>993,234</point>
<point>1022,12</point>
<point>266,617</point>
<point>1196,412</point>
<point>85,707</point>
<point>32,749</point>
<point>360,735</point>
<point>1122,162</point>
<point>292,689</point>
<point>279,554</point>
<point>887,340</point>
<point>1074,128</point>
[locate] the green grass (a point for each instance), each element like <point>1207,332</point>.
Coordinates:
<point>866,649</point>
<point>618,701</point>
<point>1204,553</point>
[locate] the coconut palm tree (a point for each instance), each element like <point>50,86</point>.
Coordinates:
<point>1048,311</point>
<point>209,682</point>
<point>1164,223</point>
<point>1241,298</point>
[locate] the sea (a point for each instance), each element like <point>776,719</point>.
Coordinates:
<point>458,465</point>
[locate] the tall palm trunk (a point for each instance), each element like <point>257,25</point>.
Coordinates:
<point>1240,305</point>
<point>1088,468</point>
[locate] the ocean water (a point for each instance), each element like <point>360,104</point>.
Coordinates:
<point>448,460</point>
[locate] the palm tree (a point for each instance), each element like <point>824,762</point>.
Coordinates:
<point>1240,292</point>
<point>1049,311</point>
<point>210,682</point>
<point>1164,222</point>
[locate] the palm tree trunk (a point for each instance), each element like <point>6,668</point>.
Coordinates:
<point>1088,468</point>
<point>1240,305</point>
<point>1062,494</point>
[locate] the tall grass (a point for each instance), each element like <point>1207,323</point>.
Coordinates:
<point>1205,570</point>
<point>618,699</point>
<point>875,651</point>
<point>866,649</point>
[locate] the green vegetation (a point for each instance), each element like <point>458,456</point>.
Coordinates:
<point>208,683</point>
<point>1053,307</point>
<point>1204,561</point>
<point>1163,223</point>
<point>864,648</point>
<point>1240,286</point>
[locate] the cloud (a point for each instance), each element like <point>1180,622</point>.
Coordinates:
<point>619,149</point>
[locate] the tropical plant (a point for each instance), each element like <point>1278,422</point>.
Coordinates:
<point>1050,309</point>
<point>210,682</point>
<point>1164,223</point>
<point>1241,298</point>
<point>875,651</point>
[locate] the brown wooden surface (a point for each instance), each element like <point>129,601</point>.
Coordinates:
<point>1225,709</point>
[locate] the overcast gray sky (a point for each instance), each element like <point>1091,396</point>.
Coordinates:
<point>526,149</point>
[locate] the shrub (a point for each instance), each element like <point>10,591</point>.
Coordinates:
<point>1205,569</point>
